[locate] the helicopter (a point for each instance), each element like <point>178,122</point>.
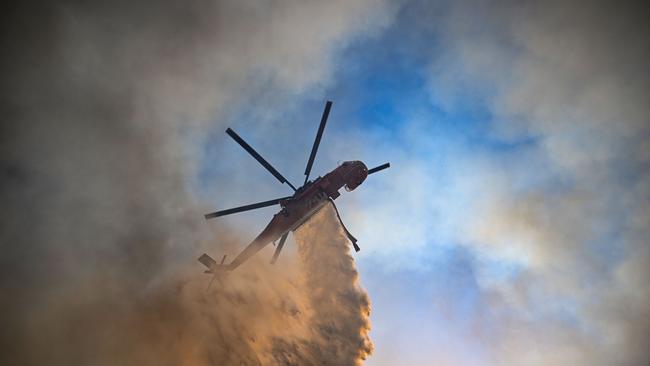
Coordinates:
<point>296,209</point>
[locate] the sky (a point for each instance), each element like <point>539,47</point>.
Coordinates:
<point>511,229</point>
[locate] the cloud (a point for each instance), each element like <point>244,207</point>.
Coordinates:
<point>571,77</point>
<point>106,110</point>
<point>548,191</point>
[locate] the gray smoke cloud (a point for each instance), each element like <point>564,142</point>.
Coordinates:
<point>105,111</point>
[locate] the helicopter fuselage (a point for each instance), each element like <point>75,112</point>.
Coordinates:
<point>305,202</point>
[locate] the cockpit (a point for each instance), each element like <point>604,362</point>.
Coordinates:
<point>355,173</point>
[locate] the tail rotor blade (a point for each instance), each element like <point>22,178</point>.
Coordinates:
<point>319,134</point>
<point>378,168</point>
<point>258,157</point>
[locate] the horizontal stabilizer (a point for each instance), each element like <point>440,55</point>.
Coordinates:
<point>207,261</point>
<point>212,265</point>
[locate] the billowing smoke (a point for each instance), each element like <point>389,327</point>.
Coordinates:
<point>106,107</point>
<point>309,311</point>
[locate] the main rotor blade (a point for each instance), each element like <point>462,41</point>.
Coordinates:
<point>258,157</point>
<point>378,168</point>
<point>319,134</point>
<point>245,208</point>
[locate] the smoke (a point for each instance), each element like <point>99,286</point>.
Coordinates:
<point>106,108</point>
<point>309,311</point>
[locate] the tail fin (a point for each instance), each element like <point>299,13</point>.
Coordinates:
<point>212,265</point>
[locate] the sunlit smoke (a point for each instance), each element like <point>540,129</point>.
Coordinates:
<point>340,308</point>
